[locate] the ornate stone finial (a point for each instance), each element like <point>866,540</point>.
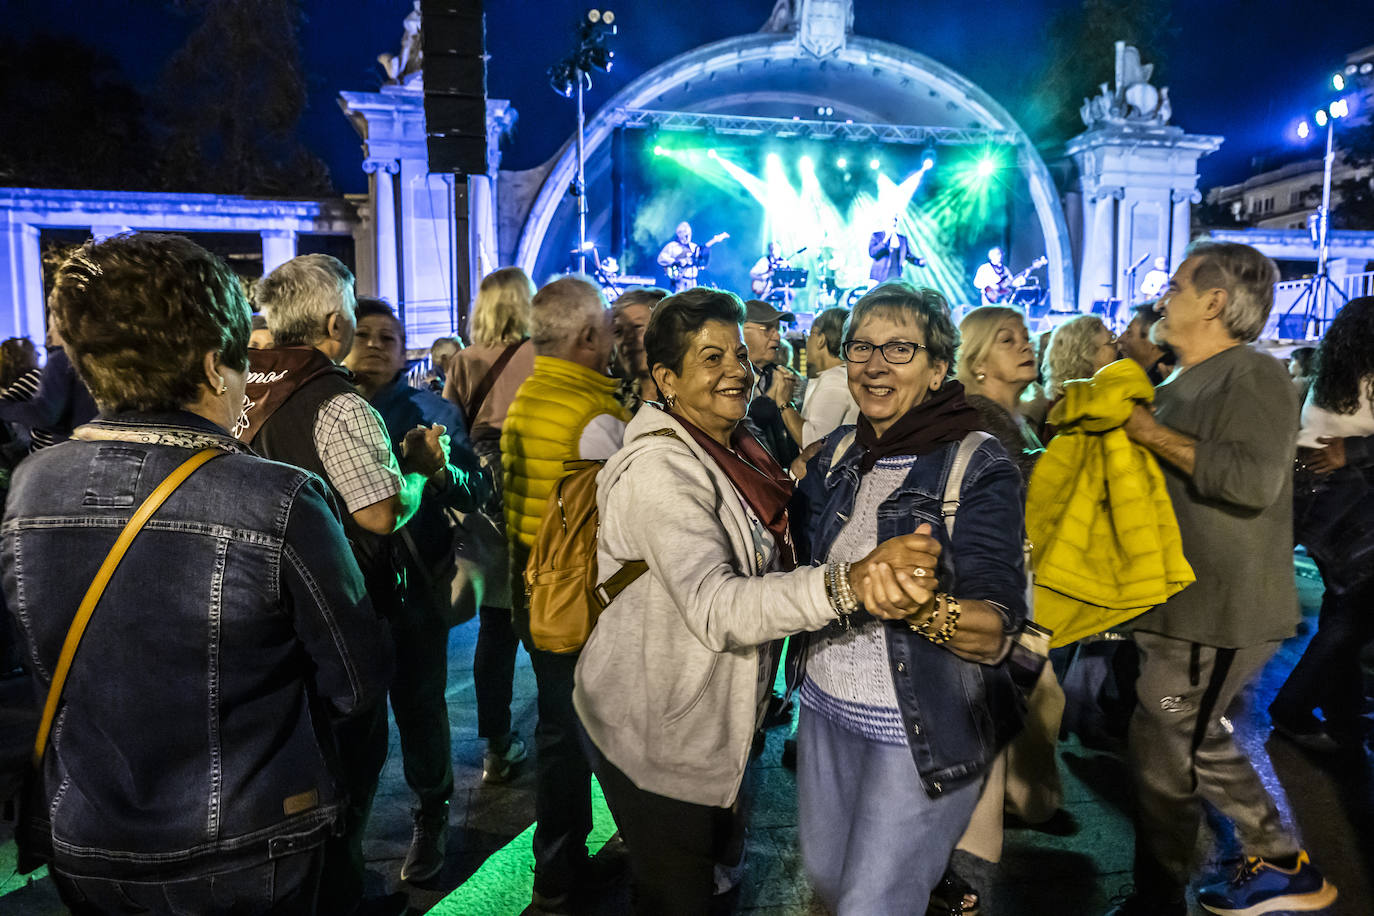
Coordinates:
<point>822,26</point>
<point>405,68</point>
<point>1133,102</point>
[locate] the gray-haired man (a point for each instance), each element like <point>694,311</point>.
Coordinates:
<point>1224,427</point>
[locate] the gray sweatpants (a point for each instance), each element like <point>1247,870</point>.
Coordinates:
<point>1180,753</point>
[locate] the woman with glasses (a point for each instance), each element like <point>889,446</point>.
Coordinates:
<point>901,718</point>
<point>674,681</point>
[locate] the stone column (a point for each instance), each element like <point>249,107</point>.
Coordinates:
<point>1182,223</point>
<point>21,280</point>
<point>278,247</point>
<point>384,226</point>
<point>1099,241</point>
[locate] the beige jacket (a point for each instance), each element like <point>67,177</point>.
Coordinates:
<point>668,686</point>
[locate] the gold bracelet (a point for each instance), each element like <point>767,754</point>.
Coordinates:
<point>923,627</point>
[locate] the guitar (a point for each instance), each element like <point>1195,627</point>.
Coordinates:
<point>678,269</point>
<point>996,293</point>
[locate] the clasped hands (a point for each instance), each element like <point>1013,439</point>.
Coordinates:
<point>897,579</point>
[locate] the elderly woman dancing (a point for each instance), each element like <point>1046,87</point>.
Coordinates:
<point>674,680</point>
<point>189,766</point>
<point>901,718</point>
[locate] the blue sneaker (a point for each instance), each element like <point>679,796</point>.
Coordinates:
<point>1260,886</point>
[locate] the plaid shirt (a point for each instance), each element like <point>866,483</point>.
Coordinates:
<point>353,446</point>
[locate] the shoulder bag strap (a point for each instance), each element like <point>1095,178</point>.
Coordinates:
<point>479,395</point>
<point>949,506</point>
<point>97,589</point>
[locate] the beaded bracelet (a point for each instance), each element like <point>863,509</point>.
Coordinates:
<point>840,592</point>
<point>949,624</point>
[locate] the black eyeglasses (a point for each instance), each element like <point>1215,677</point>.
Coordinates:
<point>895,352</point>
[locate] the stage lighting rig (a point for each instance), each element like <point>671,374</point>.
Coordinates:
<point>572,76</point>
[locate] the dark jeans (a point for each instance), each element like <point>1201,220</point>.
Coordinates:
<point>362,744</point>
<point>283,887</point>
<point>421,710</point>
<point>493,671</point>
<point>1328,675</point>
<point>673,845</point>
<point>563,780</point>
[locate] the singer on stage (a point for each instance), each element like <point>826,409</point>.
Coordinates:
<point>890,250</point>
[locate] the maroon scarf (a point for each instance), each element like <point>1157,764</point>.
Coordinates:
<point>945,416</point>
<point>762,482</point>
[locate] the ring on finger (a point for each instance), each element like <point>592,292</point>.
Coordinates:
<point>920,571</point>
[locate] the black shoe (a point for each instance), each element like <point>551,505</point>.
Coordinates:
<point>426,856</point>
<point>779,711</point>
<point>953,896</point>
<point>593,876</point>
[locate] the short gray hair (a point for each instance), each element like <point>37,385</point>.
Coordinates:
<point>1248,278</point>
<point>561,309</point>
<point>925,307</point>
<point>300,295</point>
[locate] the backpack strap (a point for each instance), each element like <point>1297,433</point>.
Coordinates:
<point>631,570</point>
<point>841,449</point>
<point>949,506</point>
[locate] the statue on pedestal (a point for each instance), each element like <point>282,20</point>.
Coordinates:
<point>404,68</point>
<point>821,25</point>
<point>1133,102</point>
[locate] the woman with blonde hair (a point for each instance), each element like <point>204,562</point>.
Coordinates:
<point>1078,348</point>
<point>482,381</point>
<point>996,364</point>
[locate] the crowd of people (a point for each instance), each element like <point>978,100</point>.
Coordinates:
<point>289,521</point>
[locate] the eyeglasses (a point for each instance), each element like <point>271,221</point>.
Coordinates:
<point>896,352</point>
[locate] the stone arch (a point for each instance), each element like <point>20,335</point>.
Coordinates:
<point>867,77</point>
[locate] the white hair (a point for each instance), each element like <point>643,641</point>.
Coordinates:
<point>561,310</point>
<point>299,296</point>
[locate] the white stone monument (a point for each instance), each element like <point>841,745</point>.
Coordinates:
<point>1138,177</point>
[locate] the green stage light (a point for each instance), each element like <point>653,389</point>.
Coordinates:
<point>711,153</point>
<point>874,164</point>
<point>986,167</point>
<point>660,151</point>
<point>842,162</point>
<point>805,164</point>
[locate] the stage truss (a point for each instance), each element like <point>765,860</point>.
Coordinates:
<point>798,128</point>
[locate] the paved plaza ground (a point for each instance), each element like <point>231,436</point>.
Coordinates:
<point>488,874</point>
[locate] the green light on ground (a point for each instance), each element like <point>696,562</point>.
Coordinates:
<point>502,886</point>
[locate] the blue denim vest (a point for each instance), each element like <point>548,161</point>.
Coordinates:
<point>957,714</point>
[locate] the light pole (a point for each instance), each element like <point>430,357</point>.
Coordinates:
<point>573,75</point>
<point>1315,298</point>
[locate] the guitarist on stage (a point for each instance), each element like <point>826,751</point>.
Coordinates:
<point>995,282</point>
<point>761,274</point>
<point>683,259</point>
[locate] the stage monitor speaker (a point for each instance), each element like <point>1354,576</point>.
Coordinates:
<point>455,72</point>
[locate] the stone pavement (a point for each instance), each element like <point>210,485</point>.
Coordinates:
<point>1333,807</point>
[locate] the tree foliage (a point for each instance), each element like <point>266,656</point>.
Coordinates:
<point>232,98</point>
<point>72,120</point>
<point>1083,55</point>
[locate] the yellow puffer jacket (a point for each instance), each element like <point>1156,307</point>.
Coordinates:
<point>542,429</point>
<point>1107,546</point>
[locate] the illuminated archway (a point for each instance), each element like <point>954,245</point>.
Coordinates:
<point>768,75</point>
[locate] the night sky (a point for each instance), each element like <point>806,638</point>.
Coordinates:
<point>1241,68</point>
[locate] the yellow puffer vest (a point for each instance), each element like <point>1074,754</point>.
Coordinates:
<point>542,429</point>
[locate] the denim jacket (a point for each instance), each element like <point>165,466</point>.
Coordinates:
<point>957,714</point>
<point>193,733</point>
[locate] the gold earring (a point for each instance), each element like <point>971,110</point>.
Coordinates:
<point>222,386</point>
<point>671,401</point>
<point>981,376</point>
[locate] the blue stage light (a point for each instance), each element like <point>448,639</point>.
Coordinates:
<point>874,164</point>
<point>711,153</point>
<point>841,162</point>
<point>1321,118</point>
<point>660,151</point>
<point>1304,131</point>
<point>805,164</point>
<point>1338,82</point>
<point>1340,108</point>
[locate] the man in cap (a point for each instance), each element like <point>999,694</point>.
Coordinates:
<point>776,422</point>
